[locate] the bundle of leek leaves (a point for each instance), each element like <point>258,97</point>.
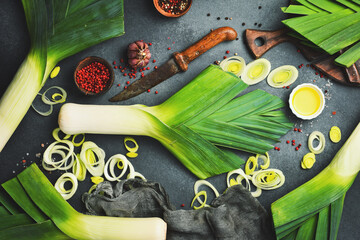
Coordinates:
<point>194,122</point>
<point>58,29</point>
<point>31,208</point>
<point>328,25</point>
<point>313,210</point>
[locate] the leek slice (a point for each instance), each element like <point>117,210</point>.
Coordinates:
<point>52,102</point>
<point>93,158</point>
<point>55,134</point>
<point>235,65</point>
<point>111,163</point>
<point>196,191</point>
<point>60,185</point>
<point>132,150</point>
<point>256,71</point>
<point>308,160</point>
<point>335,134</point>
<point>55,72</point>
<point>251,161</point>
<point>268,179</point>
<point>79,168</point>
<point>282,76</point>
<point>316,135</point>
<point>197,197</point>
<point>266,159</point>
<point>65,152</point>
<point>78,144</point>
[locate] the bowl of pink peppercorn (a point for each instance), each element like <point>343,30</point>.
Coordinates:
<point>93,76</point>
<point>172,8</point>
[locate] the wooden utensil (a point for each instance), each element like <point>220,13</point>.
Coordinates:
<point>321,61</point>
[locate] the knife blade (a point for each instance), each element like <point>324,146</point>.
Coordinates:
<point>179,62</point>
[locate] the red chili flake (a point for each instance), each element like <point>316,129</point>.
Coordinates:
<point>93,78</point>
<point>122,70</point>
<point>122,60</point>
<point>148,90</point>
<point>148,68</point>
<point>156,92</point>
<point>296,149</point>
<point>127,82</point>
<point>321,75</point>
<point>333,113</point>
<point>173,42</point>
<point>168,37</point>
<point>295,129</point>
<point>182,205</point>
<point>154,61</point>
<point>169,48</point>
<point>149,43</point>
<point>307,65</point>
<point>155,67</point>
<point>225,57</point>
<point>24,161</point>
<point>114,62</point>
<point>227,52</point>
<point>287,87</point>
<point>287,141</point>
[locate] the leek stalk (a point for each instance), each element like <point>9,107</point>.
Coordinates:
<point>193,122</point>
<point>58,29</point>
<point>61,220</point>
<point>321,199</point>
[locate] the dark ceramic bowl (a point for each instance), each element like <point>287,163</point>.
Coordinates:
<point>86,62</point>
<point>166,14</point>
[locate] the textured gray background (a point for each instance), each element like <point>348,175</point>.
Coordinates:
<point>142,21</point>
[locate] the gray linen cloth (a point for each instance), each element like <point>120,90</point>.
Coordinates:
<point>236,214</point>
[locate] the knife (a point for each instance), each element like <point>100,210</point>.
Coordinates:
<point>179,62</point>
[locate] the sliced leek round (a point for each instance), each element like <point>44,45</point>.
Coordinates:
<point>282,76</point>
<point>308,160</point>
<point>60,185</point>
<point>235,65</point>
<point>256,71</point>
<point>316,135</point>
<point>196,190</point>
<point>268,179</point>
<point>335,134</point>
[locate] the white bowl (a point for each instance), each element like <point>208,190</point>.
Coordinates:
<point>319,110</point>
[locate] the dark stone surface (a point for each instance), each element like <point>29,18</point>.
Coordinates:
<point>142,21</point>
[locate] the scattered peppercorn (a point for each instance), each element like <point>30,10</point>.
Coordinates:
<point>182,205</point>
<point>218,18</point>
<point>227,52</point>
<point>259,7</point>
<point>148,90</point>
<point>174,7</point>
<point>114,63</point>
<point>208,15</point>
<point>260,25</point>
<point>243,24</point>
<point>296,149</point>
<point>149,43</point>
<point>156,92</point>
<point>169,48</point>
<point>148,68</point>
<point>287,142</point>
<point>225,57</point>
<point>127,82</point>
<point>226,18</point>
<point>287,87</point>
<point>155,67</point>
<point>295,129</point>
<point>334,113</point>
<point>299,130</point>
<point>154,61</point>
<point>125,87</point>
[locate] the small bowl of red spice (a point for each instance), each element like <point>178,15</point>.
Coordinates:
<point>94,76</point>
<point>172,8</point>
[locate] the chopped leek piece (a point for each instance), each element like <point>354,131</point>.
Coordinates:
<point>335,134</point>
<point>111,163</point>
<point>316,135</point>
<point>60,185</point>
<point>268,179</point>
<point>266,159</point>
<point>97,180</point>
<point>78,144</point>
<point>55,72</point>
<point>79,168</point>
<point>197,196</point>
<point>308,160</point>
<point>55,135</point>
<point>93,157</point>
<point>282,76</point>
<point>251,161</point>
<point>50,163</point>
<point>132,150</point>
<point>235,65</point>
<point>256,71</point>
<point>52,102</point>
<point>196,191</point>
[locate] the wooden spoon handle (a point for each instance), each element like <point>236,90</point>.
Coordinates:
<point>268,39</point>
<point>209,41</point>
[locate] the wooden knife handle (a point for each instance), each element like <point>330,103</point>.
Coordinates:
<point>211,40</point>
<point>268,39</point>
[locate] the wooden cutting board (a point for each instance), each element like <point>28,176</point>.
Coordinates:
<point>259,42</point>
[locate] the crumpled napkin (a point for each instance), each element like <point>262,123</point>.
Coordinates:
<point>236,214</point>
